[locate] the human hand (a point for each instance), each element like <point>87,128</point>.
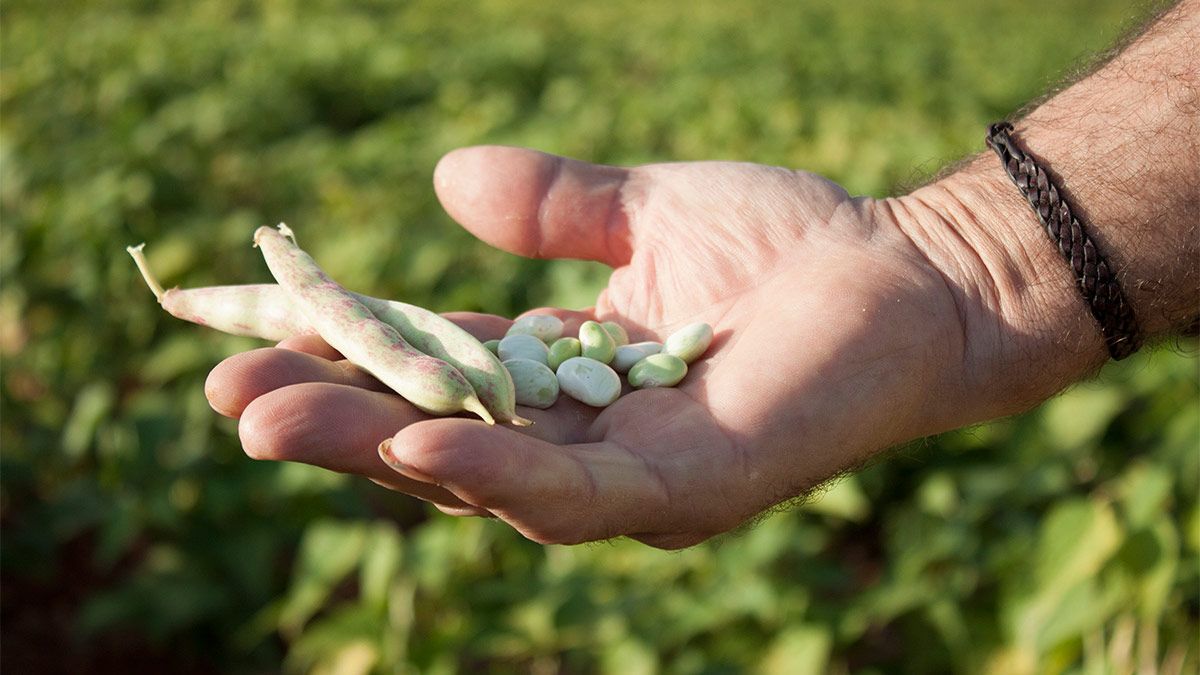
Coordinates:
<point>843,326</point>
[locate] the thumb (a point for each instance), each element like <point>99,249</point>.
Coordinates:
<point>537,205</point>
<point>559,494</point>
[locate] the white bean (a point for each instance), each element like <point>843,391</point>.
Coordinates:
<point>627,355</point>
<point>689,342</point>
<point>544,327</point>
<point>522,346</point>
<point>589,381</point>
<point>536,384</point>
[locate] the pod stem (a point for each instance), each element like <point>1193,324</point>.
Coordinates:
<point>144,267</point>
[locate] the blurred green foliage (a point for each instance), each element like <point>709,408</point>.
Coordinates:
<point>136,534</point>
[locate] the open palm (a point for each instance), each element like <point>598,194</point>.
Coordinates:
<point>832,330</point>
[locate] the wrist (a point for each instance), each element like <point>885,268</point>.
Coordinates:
<point>1123,142</point>
<point>1027,333</point>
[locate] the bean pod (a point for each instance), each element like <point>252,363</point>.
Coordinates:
<point>257,310</point>
<point>430,384</point>
<point>443,339</point>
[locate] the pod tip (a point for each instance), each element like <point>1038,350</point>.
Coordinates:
<point>258,234</point>
<point>474,405</point>
<point>518,421</point>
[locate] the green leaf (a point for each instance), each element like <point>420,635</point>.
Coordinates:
<point>798,650</point>
<point>382,559</point>
<point>1152,555</point>
<point>1078,417</point>
<point>629,657</point>
<point>843,499</point>
<point>344,643</point>
<point>328,552</point>
<point>1076,539</point>
<point>91,406</point>
<point>1145,491</point>
<point>1081,609</point>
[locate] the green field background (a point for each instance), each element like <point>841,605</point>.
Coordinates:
<point>137,536</point>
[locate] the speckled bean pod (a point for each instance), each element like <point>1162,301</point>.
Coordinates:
<point>265,311</point>
<point>348,326</point>
<point>256,310</point>
<point>441,338</point>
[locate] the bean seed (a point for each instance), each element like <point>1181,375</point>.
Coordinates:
<point>617,331</point>
<point>689,342</point>
<point>657,370</point>
<point>561,350</point>
<point>627,355</point>
<point>595,342</point>
<point>537,386</point>
<point>493,346</point>
<point>544,327</point>
<point>522,346</point>
<point>589,381</point>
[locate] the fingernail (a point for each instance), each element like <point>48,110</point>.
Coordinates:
<point>385,453</point>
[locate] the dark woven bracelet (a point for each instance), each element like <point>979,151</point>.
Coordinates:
<point>1095,278</point>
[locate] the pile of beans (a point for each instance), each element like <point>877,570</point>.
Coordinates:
<point>588,368</point>
<point>430,361</point>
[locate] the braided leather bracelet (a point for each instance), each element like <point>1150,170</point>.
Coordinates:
<point>1094,277</point>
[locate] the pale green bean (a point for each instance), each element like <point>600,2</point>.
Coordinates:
<point>657,370</point>
<point>595,342</point>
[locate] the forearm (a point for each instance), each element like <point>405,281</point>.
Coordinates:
<point>1125,143</point>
